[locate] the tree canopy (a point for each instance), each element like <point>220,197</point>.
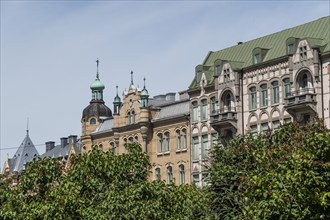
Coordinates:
<point>284,174</point>
<point>99,185</point>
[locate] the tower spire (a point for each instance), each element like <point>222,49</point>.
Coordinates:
<point>117,89</point>
<point>144,82</point>
<point>27,127</point>
<point>132,78</point>
<point>97,68</point>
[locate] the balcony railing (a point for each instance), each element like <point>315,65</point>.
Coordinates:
<point>300,96</point>
<point>226,113</point>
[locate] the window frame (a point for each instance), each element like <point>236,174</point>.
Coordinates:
<point>263,95</point>
<point>253,97</point>
<point>275,92</point>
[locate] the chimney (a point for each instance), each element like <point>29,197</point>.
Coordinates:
<point>170,96</point>
<point>50,145</point>
<point>239,43</point>
<point>64,141</point>
<point>72,139</point>
<point>183,95</point>
<point>160,97</point>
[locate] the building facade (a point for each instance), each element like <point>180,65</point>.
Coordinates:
<point>260,84</point>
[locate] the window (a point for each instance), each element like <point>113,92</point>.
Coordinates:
<point>112,147</point>
<point>214,140</point>
<point>169,175</point>
<point>101,147</point>
<point>257,58</point>
<point>196,153</point>
<point>226,75</point>
<point>194,112</point>
<point>133,117</point>
<point>205,146</point>
<point>167,139</point>
<point>92,121</point>
<point>136,139</point>
<point>131,140</point>
<point>129,119</point>
<point>227,102</point>
<point>254,130</point>
<point>287,87</point>
<point>276,125</point>
<point>217,70</point>
<point>253,98</point>
<point>205,179</point>
<point>157,173</point>
<point>264,128</point>
<point>178,139</point>
<point>204,110</point>
<point>181,174</point>
<point>263,95</point>
<point>160,143</point>
<point>275,93</point>
<point>196,179</point>
<point>304,81</point>
<point>213,105</point>
<point>290,48</point>
<point>303,53</point>
<point>184,131</point>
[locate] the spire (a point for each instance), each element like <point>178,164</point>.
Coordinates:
<point>117,90</point>
<point>27,127</point>
<point>144,82</point>
<point>132,78</point>
<point>97,68</point>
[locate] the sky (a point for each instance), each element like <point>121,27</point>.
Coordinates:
<point>49,51</point>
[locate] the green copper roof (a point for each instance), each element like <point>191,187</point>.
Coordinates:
<point>144,93</point>
<point>317,33</point>
<point>97,85</point>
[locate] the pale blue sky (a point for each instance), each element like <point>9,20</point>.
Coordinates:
<point>49,49</point>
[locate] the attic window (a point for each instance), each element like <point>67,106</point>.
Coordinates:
<point>290,48</point>
<point>303,53</point>
<point>257,58</point>
<point>26,154</point>
<point>198,75</point>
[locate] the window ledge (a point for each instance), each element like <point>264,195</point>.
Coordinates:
<point>181,150</point>
<point>253,110</point>
<point>166,153</point>
<point>195,160</point>
<point>276,104</point>
<point>264,107</point>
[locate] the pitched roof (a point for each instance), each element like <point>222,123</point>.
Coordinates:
<point>105,126</point>
<point>25,153</point>
<point>317,33</point>
<point>61,151</point>
<point>173,110</point>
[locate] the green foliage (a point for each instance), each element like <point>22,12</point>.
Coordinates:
<point>99,185</point>
<point>281,175</point>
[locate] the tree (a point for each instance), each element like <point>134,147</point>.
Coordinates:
<point>284,174</point>
<point>99,185</point>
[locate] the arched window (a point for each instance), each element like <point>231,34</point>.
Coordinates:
<point>133,117</point>
<point>136,139</point>
<point>112,147</point>
<point>160,143</point>
<point>263,95</point>
<point>92,121</point>
<point>130,139</point>
<point>227,103</point>
<point>304,82</point>
<point>101,147</point>
<point>167,139</point>
<point>253,98</point>
<point>157,174</point>
<point>184,131</point>
<point>178,138</point>
<point>129,119</point>
<point>275,93</point>
<point>169,175</point>
<point>194,112</point>
<point>181,174</point>
<point>286,87</point>
<point>204,110</point>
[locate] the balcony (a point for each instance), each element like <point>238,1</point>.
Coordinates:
<point>301,101</point>
<point>224,118</point>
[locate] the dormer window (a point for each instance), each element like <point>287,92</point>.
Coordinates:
<point>198,75</point>
<point>303,52</point>
<point>257,58</point>
<point>291,45</point>
<point>217,70</point>
<point>290,48</point>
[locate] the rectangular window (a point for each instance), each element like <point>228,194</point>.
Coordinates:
<point>214,139</point>
<point>181,174</point>
<point>196,150</point>
<point>253,98</point>
<point>276,125</point>
<point>263,95</point>
<point>213,105</point>
<point>204,110</point>
<point>264,128</point>
<point>226,75</point>
<point>290,48</point>
<point>257,58</point>
<point>254,130</point>
<point>205,146</point>
<point>287,87</point>
<point>169,175</point>
<point>194,112</point>
<point>275,93</point>
<point>157,173</point>
<point>167,139</point>
<point>217,70</point>
<point>205,179</point>
<point>196,179</point>
<point>184,139</point>
<point>160,143</point>
<point>178,140</point>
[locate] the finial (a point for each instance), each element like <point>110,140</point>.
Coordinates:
<point>117,89</point>
<point>144,82</point>
<point>132,77</point>
<point>97,68</point>
<point>27,127</point>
